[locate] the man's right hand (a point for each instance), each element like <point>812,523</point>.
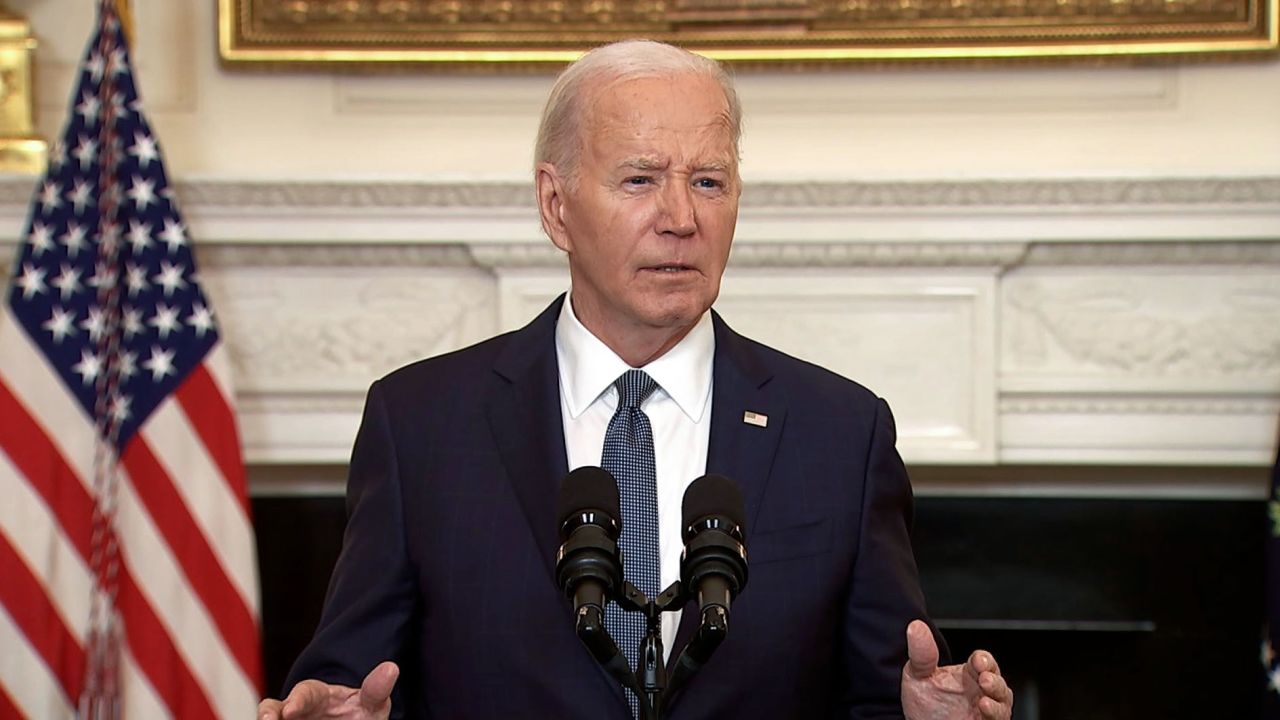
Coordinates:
<point>315,699</point>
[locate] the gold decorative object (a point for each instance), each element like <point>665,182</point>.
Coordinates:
<point>21,150</point>
<point>535,33</point>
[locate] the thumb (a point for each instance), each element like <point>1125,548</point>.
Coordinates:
<point>375,691</point>
<point>922,651</point>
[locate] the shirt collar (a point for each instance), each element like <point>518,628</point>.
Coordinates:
<point>588,368</point>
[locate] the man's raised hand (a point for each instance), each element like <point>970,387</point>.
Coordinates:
<point>972,691</point>
<point>315,699</point>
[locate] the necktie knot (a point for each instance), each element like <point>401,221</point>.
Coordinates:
<point>633,387</point>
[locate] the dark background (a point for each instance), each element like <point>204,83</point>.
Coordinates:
<point>1095,608</point>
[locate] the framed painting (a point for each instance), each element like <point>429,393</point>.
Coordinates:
<point>534,33</point>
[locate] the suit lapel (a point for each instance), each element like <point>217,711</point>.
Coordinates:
<point>739,450</point>
<point>523,407</point>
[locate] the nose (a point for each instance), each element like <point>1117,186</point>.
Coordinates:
<point>675,213</point>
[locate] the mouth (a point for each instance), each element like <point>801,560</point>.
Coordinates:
<point>670,268</point>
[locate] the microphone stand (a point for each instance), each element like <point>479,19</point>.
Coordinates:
<point>649,680</point>
<point>651,671</point>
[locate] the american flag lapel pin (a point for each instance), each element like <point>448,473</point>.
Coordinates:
<point>755,418</point>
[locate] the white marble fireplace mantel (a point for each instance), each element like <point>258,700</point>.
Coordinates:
<point>1076,321</point>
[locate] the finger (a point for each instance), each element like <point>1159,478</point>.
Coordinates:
<point>981,661</point>
<point>375,691</point>
<point>922,650</point>
<point>306,697</point>
<point>992,710</point>
<point>269,709</point>
<point>994,687</point>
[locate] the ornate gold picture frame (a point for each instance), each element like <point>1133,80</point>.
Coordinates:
<point>472,33</point>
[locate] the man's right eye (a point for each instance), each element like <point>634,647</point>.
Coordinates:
<point>638,180</point>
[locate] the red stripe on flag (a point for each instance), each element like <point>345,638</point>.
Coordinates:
<point>24,596</point>
<point>8,708</point>
<point>46,470</point>
<point>39,460</point>
<point>192,551</point>
<point>156,655</point>
<point>210,414</point>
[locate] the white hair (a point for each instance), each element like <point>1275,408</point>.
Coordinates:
<point>559,133</point>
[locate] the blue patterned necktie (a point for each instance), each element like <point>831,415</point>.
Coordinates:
<point>628,455</point>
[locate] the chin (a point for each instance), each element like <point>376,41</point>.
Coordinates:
<point>677,315</point>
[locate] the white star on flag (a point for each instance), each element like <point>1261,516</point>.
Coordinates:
<point>86,152</point>
<point>127,362</point>
<point>61,324</point>
<point>165,320</point>
<point>94,66</point>
<point>173,234</point>
<point>50,196</point>
<point>144,148</point>
<point>41,238</point>
<point>117,64</point>
<point>170,277</point>
<point>201,319</point>
<point>142,192</point>
<point>135,278</point>
<point>89,367</point>
<point>81,195</point>
<point>67,282</point>
<point>88,109</point>
<point>73,239</point>
<point>120,407</point>
<point>131,322</point>
<point>95,324</point>
<point>160,363</point>
<point>139,236</point>
<point>31,281</point>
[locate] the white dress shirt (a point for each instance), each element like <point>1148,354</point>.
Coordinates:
<point>679,412</point>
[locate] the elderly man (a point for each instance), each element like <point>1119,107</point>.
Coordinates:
<point>446,580</point>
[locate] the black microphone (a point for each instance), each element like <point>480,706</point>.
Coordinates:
<point>714,563</point>
<point>588,566</point>
<point>713,568</point>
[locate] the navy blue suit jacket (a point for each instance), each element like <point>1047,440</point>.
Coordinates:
<point>449,554</point>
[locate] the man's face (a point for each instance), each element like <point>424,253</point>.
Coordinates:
<point>648,219</point>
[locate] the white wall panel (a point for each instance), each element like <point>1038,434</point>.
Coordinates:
<point>926,343</point>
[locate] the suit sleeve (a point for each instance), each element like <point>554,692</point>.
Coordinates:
<point>371,599</point>
<point>884,594</point>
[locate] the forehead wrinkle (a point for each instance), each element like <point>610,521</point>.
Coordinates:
<point>644,162</point>
<point>605,120</point>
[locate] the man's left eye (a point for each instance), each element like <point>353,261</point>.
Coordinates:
<point>708,183</point>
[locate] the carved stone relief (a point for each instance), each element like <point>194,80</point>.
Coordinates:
<point>1145,324</point>
<point>329,330</point>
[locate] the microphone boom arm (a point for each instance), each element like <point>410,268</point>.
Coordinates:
<point>590,629</point>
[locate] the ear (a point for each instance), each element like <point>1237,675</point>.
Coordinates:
<point>550,187</point>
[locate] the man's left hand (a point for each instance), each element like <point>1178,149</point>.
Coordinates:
<point>972,691</point>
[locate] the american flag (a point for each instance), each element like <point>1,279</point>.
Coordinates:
<point>128,578</point>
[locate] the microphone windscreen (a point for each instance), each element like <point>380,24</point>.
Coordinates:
<point>589,488</point>
<point>712,495</point>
